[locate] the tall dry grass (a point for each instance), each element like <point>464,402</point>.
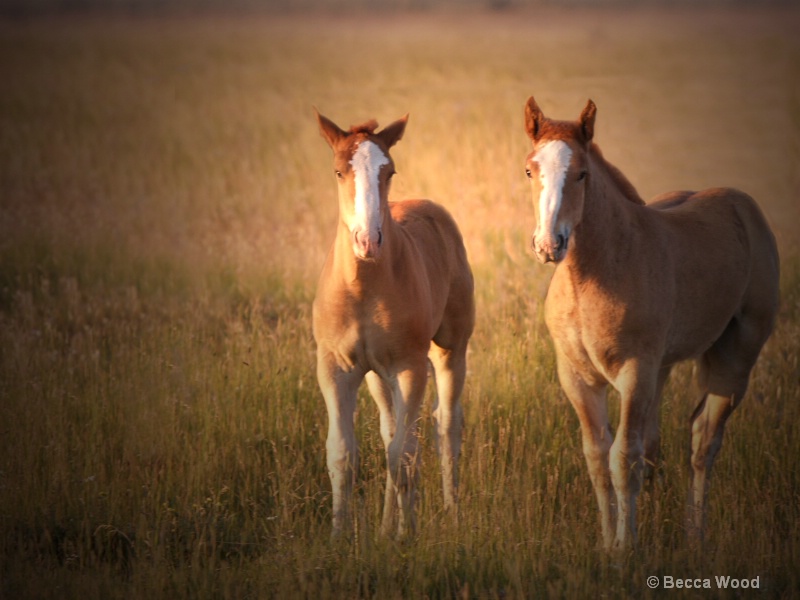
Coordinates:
<point>166,206</point>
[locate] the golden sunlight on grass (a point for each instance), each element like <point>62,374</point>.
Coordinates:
<point>166,206</point>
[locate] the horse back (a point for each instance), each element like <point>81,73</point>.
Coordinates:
<point>725,216</point>
<point>669,200</point>
<point>434,246</point>
<point>433,232</point>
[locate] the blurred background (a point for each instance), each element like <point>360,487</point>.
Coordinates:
<point>166,203</point>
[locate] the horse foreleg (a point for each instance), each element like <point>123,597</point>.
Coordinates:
<point>652,431</point>
<point>590,404</point>
<point>402,452</point>
<point>339,390</point>
<point>450,369</point>
<point>383,392</point>
<point>637,390</point>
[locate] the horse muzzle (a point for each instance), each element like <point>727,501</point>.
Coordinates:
<point>366,243</point>
<point>550,248</point>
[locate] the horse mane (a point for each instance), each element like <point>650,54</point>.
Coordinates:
<point>368,127</point>
<point>625,186</point>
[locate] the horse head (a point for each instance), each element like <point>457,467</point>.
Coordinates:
<point>558,171</point>
<point>364,171</point>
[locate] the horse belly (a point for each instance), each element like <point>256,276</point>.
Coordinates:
<point>399,342</point>
<point>697,327</point>
<point>712,239</point>
<point>706,302</point>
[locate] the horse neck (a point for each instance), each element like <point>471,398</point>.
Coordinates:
<point>604,231</point>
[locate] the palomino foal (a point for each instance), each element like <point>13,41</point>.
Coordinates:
<point>636,289</point>
<point>396,291</point>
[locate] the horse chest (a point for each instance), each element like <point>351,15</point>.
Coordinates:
<point>375,333</point>
<point>588,359</point>
<point>585,328</point>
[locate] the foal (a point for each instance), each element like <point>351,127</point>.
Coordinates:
<point>396,291</point>
<point>636,289</point>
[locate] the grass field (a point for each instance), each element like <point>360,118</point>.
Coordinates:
<point>166,203</point>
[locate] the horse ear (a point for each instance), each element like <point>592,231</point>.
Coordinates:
<point>533,119</point>
<point>587,121</point>
<point>391,134</point>
<point>329,130</point>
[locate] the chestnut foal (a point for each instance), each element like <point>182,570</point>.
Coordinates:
<point>636,289</point>
<point>396,292</point>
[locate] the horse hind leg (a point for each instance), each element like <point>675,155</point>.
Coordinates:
<point>723,373</point>
<point>450,368</point>
<point>708,427</point>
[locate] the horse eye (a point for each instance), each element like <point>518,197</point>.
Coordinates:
<point>528,173</point>
<point>581,175</point>
<point>338,174</point>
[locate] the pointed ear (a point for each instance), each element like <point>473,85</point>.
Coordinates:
<point>391,134</point>
<point>587,121</point>
<point>329,130</point>
<point>534,117</point>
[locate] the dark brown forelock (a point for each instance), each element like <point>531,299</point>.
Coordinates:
<point>368,128</point>
<point>359,133</point>
<point>558,130</point>
<point>364,131</point>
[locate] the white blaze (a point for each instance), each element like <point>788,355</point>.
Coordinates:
<point>553,159</point>
<point>367,162</point>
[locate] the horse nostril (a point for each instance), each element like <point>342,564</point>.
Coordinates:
<point>560,241</point>
<point>359,238</point>
<point>380,237</point>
